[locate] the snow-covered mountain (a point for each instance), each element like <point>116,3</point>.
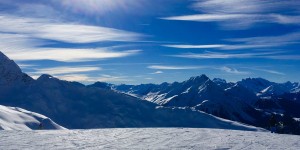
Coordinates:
<point>250,100</point>
<point>200,93</point>
<point>13,118</point>
<point>11,73</point>
<point>77,106</point>
<point>262,87</point>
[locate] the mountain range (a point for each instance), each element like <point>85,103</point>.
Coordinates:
<point>179,104</point>
<point>76,106</point>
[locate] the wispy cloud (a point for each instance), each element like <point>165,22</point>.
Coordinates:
<point>246,6</point>
<point>111,78</point>
<point>69,55</point>
<point>217,55</point>
<point>269,71</point>
<point>64,32</point>
<point>85,78</point>
<point>242,14</point>
<point>232,70</point>
<point>26,65</point>
<point>27,39</point>
<point>240,20</point>
<point>196,46</point>
<point>157,72</point>
<point>101,7</point>
<point>162,67</point>
<point>271,41</point>
<point>259,42</point>
<point>66,70</point>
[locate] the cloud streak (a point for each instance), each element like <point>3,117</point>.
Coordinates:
<point>69,55</point>
<point>196,46</point>
<point>23,48</point>
<point>243,14</point>
<point>269,71</point>
<point>63,32</point>
<point>217,55</point>
<point>66,70</point>
<point>163,67</point>
<point>260,42</point>
<point>233,70</point>
<point>90,79</point>
<point>157,72</point>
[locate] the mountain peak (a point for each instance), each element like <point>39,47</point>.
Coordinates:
<point>3,57</point>
<point>219,80</point>
<point>202,77</point>
<point>45,77</point>
<point>10,72</point>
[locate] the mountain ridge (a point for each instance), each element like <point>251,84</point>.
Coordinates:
<point>76,106</point>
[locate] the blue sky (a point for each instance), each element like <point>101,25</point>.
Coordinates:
<point>153,41</point>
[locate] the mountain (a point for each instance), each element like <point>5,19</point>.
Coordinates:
<point>76,106</point>
<point>263,88</point>
<point>11,73</point>
<point>255,85</point>
<point>13,118</point>
<point>199,93</point>
<point>288,103</point>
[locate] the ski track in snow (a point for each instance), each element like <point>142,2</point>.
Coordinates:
<point>147,138</point>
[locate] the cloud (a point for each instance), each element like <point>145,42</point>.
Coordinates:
<point>101,6</point>
<point>161,67</point>
<point>63,32</point>
<point>217,55</point>
<point>22,48</point>
<point>259,42</point>
<point>111,78</point>
<point>243,14</point>
<point>246,6</point>
<point>195,46</point>
<point>232,70</point>
<point>157,72</point>
<point>91,79</point>
<point>69,55</point>
<point>66,70</point>
<point>76,77</point>
<point>239,21</point>
<point>26,65</point>
<point>291,38</point>
<point>285,57</point>
<point>269,71</point>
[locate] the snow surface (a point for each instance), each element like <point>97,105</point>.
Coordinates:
<point>147,138</point>
<point>13,118</point>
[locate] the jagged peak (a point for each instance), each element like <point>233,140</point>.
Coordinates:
<point>255,79</point>
<point>3,56</point>
<point>45,76</point>
<point>103,85</point>
<point>202,77</point>
<point>219,80</point>
<point>10,72</point>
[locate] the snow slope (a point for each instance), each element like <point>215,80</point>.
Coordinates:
<point>13,118</point>
<point>148,138</point>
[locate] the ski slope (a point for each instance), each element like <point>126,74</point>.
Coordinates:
<point>147,138</point>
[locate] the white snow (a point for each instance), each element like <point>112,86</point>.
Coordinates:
<point>13,118</point>
<point>147,138</point>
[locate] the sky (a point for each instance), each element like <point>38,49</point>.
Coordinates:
<point>153,41</point>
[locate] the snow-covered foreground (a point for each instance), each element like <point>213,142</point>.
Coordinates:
<point>14,118</point>
<point>147,138</point>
